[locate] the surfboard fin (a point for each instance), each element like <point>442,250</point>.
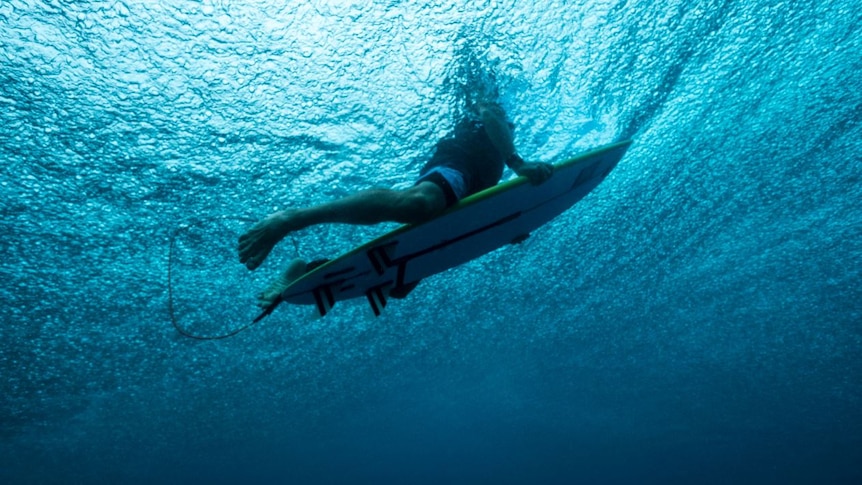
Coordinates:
<point>324,299</point>
<point>401,292</point>
<point>377,299</point>
<point>381,257</point>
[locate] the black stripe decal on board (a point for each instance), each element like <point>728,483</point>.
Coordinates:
<point>374,257</point>
<point>379,257</point>
<point>339,273</point>
<point>499,222</point>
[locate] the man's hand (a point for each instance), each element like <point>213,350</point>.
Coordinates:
<point>536,172</point>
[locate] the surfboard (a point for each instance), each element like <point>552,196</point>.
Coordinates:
<point>504,214</point>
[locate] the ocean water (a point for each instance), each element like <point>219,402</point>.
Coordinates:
<point>696,319</point>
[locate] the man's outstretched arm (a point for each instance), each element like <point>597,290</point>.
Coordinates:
<point>494,119</point>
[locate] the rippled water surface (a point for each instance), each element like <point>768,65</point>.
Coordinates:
<point>696,319</point>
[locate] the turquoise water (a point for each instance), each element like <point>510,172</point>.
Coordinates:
<point>695,319</point>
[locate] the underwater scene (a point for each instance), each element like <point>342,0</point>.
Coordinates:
<point>696,318</point>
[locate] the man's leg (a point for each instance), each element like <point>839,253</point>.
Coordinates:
<point>416,204</point>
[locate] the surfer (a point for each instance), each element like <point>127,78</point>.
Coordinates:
<point>467,161</point>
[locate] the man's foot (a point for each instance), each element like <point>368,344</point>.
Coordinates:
<point>256,244</point>
<point>296,269</point>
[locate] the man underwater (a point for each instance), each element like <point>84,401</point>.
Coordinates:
<point>468,160</point>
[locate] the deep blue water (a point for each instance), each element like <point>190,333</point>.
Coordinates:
<point>696,319</point>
